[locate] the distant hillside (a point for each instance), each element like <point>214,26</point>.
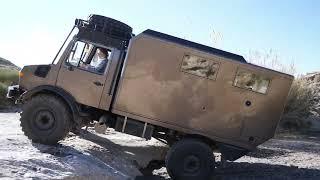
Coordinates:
<point>7,64</point>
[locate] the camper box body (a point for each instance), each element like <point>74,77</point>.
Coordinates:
<point>191,88</point>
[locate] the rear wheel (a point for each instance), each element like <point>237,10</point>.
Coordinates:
<point>45,119</point>
<point>190,159</point>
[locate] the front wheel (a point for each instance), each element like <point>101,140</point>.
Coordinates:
<point>45,119</point>
<point>190,159</point>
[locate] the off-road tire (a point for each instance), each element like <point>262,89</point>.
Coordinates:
<point>41,109</point>
<point>187,151</point>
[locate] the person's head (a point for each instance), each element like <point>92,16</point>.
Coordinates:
<point>102,53</point>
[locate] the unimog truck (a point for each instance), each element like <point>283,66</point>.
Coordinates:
<point>195,98</point>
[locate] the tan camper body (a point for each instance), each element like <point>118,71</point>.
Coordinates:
<point>156,89</point>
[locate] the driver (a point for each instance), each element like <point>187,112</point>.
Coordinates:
<point>101,57</point>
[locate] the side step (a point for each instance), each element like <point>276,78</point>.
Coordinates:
<point>133,127</point>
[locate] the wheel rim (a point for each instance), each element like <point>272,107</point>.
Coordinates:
<point>44,120</point>
<point>191,164</point>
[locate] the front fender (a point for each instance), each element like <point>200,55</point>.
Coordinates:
<point>68,98</point>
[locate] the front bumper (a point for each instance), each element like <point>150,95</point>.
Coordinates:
<point>14,92</point>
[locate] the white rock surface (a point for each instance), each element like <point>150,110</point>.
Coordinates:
<point>110,156</point>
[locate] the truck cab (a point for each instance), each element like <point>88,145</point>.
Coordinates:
<point>75,68</point>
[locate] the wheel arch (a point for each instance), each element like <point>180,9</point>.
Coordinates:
<point>228,151</point>
<point>202,138</point>
<point>59,92</point>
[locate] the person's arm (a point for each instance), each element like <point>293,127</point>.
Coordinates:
<point>101,66</point>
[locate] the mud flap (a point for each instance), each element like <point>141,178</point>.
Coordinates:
<point>231,153</point>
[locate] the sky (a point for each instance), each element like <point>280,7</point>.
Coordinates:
<point>32,31</point>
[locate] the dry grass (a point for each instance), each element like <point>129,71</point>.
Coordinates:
<point>270,59</point>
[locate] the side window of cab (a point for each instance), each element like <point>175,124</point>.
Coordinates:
<point>88,57</point>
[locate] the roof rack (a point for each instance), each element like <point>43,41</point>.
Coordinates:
<point>108,26</point>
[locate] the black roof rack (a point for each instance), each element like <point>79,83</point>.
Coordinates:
<point>106,30</point>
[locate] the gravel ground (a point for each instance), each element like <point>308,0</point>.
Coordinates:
<point>285,157</point>
<point>118,156</point>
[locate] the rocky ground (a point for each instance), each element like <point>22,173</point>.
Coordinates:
<point>110,156</point>
<point>119,156</point>
<point>285,157</point>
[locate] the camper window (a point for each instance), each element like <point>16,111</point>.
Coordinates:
<point>251,81</point>
<point>200,66</point>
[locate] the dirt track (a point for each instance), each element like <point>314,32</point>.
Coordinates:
<point>118,156</point>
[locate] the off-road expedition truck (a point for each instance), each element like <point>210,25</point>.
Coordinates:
<point>196,98</point>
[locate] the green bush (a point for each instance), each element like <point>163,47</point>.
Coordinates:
<point>7,77</point>
<point>3,91</point>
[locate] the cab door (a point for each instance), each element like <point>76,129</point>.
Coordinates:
<point>78,77</point>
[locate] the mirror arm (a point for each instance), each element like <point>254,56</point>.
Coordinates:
<point>63,45</point>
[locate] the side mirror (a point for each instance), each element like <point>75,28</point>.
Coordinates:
<point>74,49</point>
<point>77,22</point>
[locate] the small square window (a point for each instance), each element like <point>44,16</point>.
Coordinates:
<point>199,66</point>
<point>254,82</point>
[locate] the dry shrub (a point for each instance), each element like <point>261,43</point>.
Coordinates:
<point>299,106</point>
<point>300,101</point>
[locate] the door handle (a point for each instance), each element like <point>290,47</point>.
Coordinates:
<point>70,68</point>
<point>97,83</point>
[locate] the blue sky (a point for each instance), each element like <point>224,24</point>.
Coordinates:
<point>32,31</point>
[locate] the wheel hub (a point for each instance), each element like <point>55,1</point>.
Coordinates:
<point>191,164</point>
<point>44,120</point>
